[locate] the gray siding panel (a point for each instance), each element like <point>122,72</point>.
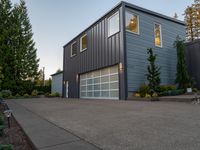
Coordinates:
<point>136,47</point>
<point>102,52</point>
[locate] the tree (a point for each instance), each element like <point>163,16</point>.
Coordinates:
<point>59,70</point>
<point>196,8</point>
<point>175,16</point>
<point>182,77</point>
<point>153,75</point>
<point>1,77</point>
<point>7,32</point>
<point>17,49</point>
<point>189,20</point>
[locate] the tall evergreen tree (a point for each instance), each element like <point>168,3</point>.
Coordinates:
<point>17,49</point>
<point>7,60</point>
<point>182,77</point>
<point>153,75</point>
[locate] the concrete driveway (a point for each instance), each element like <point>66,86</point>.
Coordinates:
<point>124,125</point>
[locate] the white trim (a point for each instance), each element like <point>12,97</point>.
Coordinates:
<point>81,50</point>
<point>138,21</point>
<point>71,49</point>
<point>108,24</point>
<point>160,28</point>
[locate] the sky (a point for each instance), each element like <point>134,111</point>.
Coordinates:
<point>56,22</point>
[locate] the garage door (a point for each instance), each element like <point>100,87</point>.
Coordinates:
<point>102,84</point>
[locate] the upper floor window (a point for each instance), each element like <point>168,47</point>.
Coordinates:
<point>113,24</point>
<point>73,49</point>
<point>132,22</point>
<point>158,35</point>
<point>83,43</point>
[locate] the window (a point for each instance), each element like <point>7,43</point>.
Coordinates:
<point>132,22</point>
<point>158,35</point>
<point>83,43</point>
<point>73,49</point>
<point>113,24</point>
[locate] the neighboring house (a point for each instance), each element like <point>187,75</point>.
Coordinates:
<point>108,60</point>
<point>57,83</point>
<point>193,60</point>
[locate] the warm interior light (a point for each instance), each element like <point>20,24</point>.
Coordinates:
<point>120,66</point>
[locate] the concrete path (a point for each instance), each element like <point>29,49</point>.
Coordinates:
<point>46,135</point>
<point>110,125</point>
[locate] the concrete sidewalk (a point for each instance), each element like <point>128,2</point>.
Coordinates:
<point>46,135</point>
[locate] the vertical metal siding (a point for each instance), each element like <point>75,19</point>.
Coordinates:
<point>102,51</point>
<point>136,47</point>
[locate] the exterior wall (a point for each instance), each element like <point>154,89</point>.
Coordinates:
<point>57,82</point>
<point>193,60</point>
<point>102,51</point>
<point>136,47</point>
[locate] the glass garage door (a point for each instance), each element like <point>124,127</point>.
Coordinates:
<point>102,84</point>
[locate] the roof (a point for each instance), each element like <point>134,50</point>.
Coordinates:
<point>57,73</point>
<point>135,7</point>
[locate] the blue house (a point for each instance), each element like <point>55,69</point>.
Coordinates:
<point>108,60</point>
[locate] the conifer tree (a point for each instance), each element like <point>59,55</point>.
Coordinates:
<point>182,77</point>
<point>153,75</point>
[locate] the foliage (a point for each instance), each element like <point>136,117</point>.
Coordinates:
<point>172,92</point>
<point>45,89</point>
<point>53,95</point>
<point>17,49</point>
<point>192,20</point>
<point>143,90</point>
<point>34,93</point>
<point>6,147</point>
<point>26,95</point>
<point>5,93</point>
<point>153,75</point>
<point>182,77</point>
<point>163,88</point>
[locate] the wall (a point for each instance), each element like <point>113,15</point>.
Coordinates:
<point>193,60</point>
<point>57,82</point>
<point>136,46</point>
<point>102,51</point>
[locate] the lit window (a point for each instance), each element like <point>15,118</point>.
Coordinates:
<point>113,24</point>
<point>73,49</point>
<point>158,35</point>
<point>132,22</point>
<point>83,43</point>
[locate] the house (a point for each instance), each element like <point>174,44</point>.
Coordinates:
<point>193,60</point>
<point>108,60</point>
<point>57,83</point>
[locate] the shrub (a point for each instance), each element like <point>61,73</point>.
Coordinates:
<point>41,93</point>
<point>17,95</point>
<point>6,147</point>
<point>5,93</point>
<point>53,95</point>
<point>26,95</point>
<point>45,89</point>
<point>172,92</point>
<point>143,90</point>
<point>163,88</point>
<point>34,93</point>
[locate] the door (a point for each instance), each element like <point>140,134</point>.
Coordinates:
<point>67,89</point>
<point>100,84</point>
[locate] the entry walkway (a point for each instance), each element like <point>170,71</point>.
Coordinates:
<point>44,134</point>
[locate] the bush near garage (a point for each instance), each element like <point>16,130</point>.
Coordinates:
<point>5,93</point>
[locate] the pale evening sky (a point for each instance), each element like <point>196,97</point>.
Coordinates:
<point>55,22</point>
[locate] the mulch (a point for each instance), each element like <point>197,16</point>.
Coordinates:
<point>15,135</point>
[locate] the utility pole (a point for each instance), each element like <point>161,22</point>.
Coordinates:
<point>43,76</point>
